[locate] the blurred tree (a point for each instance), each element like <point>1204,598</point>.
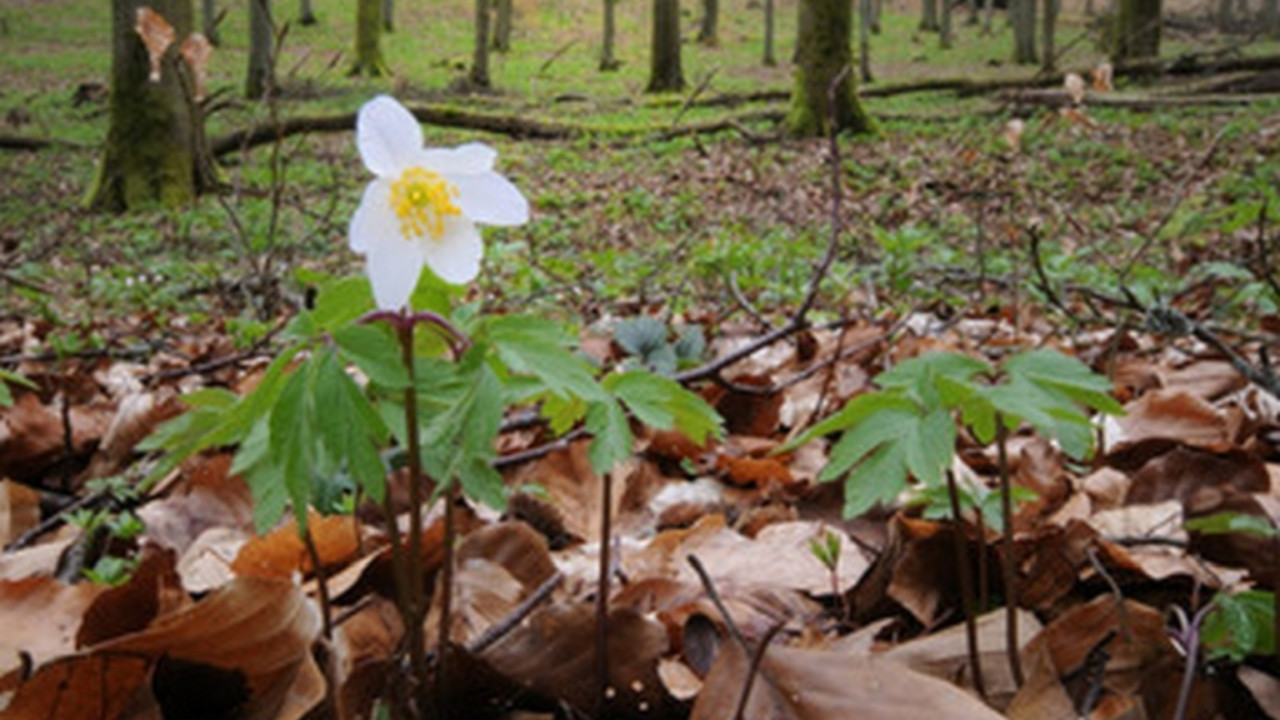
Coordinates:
<point>479,75</point>
<point>1269,18</point>
<point>608,62</point>
<point>823,57</point>
<point>707,30</point>
<point>665,72</point>
<point>1136,30</point>
<point>769,58</point>
<point>944,27</point>
<point>929,15</point>
<point>155,153</point>
<point>1022,15</point>
<point>209,20</point>
<point>260,76</point>
<point>306,15</point>
<point>1047,61</point>
<point>503,22</point>
<point>864,40</point>
<point>369,60</point>
<point>389,16</point>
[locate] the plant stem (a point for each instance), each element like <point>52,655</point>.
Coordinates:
<point>1007,560</point>
<point>966,587</point>
<point>602,595</point>
<point>443,707</point>
<point>326,610</point>
<point>416,610</point>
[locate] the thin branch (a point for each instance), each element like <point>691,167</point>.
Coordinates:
<point>499,630</point>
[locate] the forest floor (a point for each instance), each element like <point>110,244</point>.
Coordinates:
<point>1134,232</point>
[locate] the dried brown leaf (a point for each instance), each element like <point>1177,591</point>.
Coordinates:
<point>157,35</point>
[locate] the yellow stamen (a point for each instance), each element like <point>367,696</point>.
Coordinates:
<point>422,200</point>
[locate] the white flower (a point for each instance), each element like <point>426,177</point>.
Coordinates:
<point>424,204</point>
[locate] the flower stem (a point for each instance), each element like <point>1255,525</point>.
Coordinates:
<point>416,611</point>
<point>1008,563</point>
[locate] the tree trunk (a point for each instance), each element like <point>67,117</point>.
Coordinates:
<point>209,20</point>
<point>156,152</point>
<point>929,16</point>
<point>665,73</point>
<point>824,55</point>
<point>260,77</point>
<point>1270,18</point>
<point>1048,61</point>
<point>707,32</point>
<point>389,16</point>
<point>479,75</point>
<point>608,62</point>
<point>1136,32</point>
<point>306,16</point>
<point>864,39</point>
<point>944,28</point>
<point>876,7</point>
<point>972,7</point>
<point>369,60</point>
<point>770,59</point>
<point>1224,16</point>
<point>1023,16</point>
<point>988,12</point>
<point>503,23</point>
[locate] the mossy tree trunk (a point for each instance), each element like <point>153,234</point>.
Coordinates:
<point>306,15</point>
<point>1047,61</point>
<point>369,60</point>
<point>389,16</point>
<point>502,25</point>
<point>665,71</point>
<point>479,75</point>
<point>770,59</point>
<point>155,153</point>
<point>608,60</point>
<point>708,30</point>
<point>823,54</point>
<point>929,15</point>
<point>944,27</point>
<point>864,40</point>
<point>260,77</point>
<point>1136,33</point>
<point>1022,14</point>
<point>209,20</point>
<point>876,7</point>
<point>1270,18</point>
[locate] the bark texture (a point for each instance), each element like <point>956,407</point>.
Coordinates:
<point>389,16</point>
<point>502,25</point>
<point>209,20</point>
<point>259,78</point>
<point>665,71</point>
<point>708,30</point>
<point>823,53</point>
<point>769,58</point>
<point>608,61</point>
<point>1136,33</point>
<point>369,60</point>
<point>479,75</point>
<point>1048,61</point>
<point>929,15</point>
<point>306,15</point>
<point>155,153</point>
<point>1022,14</point>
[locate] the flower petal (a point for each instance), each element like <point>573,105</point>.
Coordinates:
<point>469,159</point>
<point>455,257</point>
<point>393,267</point>
<point>373,219</point>
<point>388,136</point>
<point>490,198</point>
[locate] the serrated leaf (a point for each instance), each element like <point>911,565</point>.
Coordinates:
<point>376,352</point>
<point>1242,624</point>
<point>893,418</point>
<point>879,478</point>
<point>1066,375</point>
<point>536,347</point>
<point>922,372</point>
<point>691,344</point>
<point>930,447</point>
<point>291,439</point>
<point>340,302</point>
<point>612,440</point>
<point>663,403</point>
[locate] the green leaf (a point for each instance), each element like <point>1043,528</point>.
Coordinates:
<point>877,479</point>
<point>921,374</point>
<point>1229,522</point>
<point>212,397</point>
<point>536,347</point>
<point>663,403</point>
<point>6,377</point>
<point>340,302</point>
<point>348,425</point>
<point>1242,624</point>
<point>930,446</point>
<point>1067,375</point>
<point>884,419</point>
<point>374,350</point>
<point>612,440</point>
<point>640,336</point>
<point>292,440</point>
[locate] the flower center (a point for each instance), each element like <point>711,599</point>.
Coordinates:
<point>422,200</point>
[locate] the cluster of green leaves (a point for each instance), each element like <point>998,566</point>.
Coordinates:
<point>1241,623</point>
<point>650,345</point>
<point>310,434</point>
<point>117,526</point>
<point>907,428</point>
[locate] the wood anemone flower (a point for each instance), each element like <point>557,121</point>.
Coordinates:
<point>423,205</point>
